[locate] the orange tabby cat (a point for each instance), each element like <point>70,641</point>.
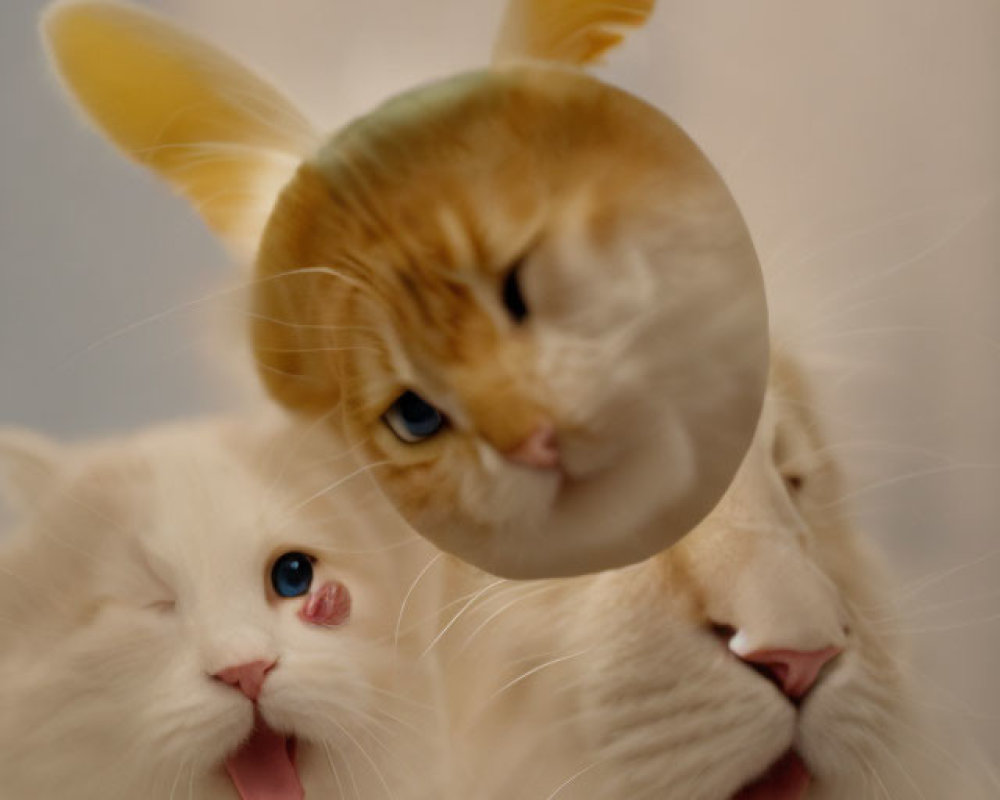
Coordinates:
<point>528,296</point>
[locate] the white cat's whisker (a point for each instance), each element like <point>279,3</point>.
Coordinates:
<point>834,298</point>
<point>409,593</point>
<point>489,587</point>
<point>531,672</point>
<point>367,757</point>
<point>572,779</point>
<point>909,476</point>
<point>333,769</point>
<point>507,606</point>
<point>935,578</point>
<point>335,485</point>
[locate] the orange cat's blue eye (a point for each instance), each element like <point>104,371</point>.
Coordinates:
<point>292,575</point>
<point>413,419</point>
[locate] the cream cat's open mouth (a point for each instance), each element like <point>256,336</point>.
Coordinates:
<point>264,768</point>
<point>787,779</point>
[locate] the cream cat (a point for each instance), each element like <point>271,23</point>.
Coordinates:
<point>207,611</point>
<point>529,297</point>
<point>749,662</point>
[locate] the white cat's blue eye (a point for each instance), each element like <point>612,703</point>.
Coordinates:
<point>292,574</point>
<point>413,419</point>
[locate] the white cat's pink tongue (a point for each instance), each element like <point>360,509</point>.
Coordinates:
<point>264,767</point>
<point>787,779</point>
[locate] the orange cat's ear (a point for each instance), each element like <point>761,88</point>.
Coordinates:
<point>217,133</point>
<point>29,466</point>
<point>575,32</point>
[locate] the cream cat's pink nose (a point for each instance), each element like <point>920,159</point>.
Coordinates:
<point>248,678</point>
<point>540,449</point>
<point>795,671</point>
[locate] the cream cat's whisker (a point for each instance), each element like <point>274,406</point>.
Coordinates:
<point>909,476</point>
<point>367,757</point>
<point>476,596</point>
<point>894,759</point>
<point>409,593</point>
<point>971,218</point>
<point>935,578</point>
<point>944,628</point>
<point>572,779</point>
<point>526,595</point>
<point>333,770</point>
<point>909,614</point>
<point>531,672</point>
<point>874,773</point>
<point>778,268</point>
<point>335,485</point>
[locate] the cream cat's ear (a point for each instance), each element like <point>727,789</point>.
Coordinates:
<point>29,466</point>
<point>217,133</point>
<point>576,32</point>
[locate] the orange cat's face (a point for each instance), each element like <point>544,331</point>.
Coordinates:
<point>512,289</point>
<point>526,296</point>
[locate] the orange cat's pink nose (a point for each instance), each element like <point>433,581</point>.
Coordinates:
<point>540,449</point>
<point>795,671</point>
<point>248,678</point>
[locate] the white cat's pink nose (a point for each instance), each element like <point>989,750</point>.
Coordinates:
<point>795,671</point>
<point>248,678</point>
<point>540,449</point>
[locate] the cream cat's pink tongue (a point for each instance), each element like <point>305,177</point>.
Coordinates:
<point>787,779</point>
<point>264,767</point>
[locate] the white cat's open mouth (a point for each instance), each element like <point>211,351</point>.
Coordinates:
<point>787,779</point>
<point>264,767</point>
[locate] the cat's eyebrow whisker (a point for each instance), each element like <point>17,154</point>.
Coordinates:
<point>301,437</point>
<point>333,487</point>
<point>413,540</point>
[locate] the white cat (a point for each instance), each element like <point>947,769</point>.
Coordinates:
<point>752,661</point>
<point>206,611</point>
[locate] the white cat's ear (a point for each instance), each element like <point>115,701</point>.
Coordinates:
<point>29,466</point>
<point>223,137</point>
<point>575,32</point>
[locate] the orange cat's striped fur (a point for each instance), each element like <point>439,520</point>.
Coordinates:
<point>461,281</point>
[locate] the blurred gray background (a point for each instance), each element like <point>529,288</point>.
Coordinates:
<point>861,137</point>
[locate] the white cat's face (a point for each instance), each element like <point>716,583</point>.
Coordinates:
<point>752,661</point>
<point>149,578</point>
<point>765,674</point>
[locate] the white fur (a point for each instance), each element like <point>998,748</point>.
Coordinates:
<point>146,568</point>
<point>616,686</point>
